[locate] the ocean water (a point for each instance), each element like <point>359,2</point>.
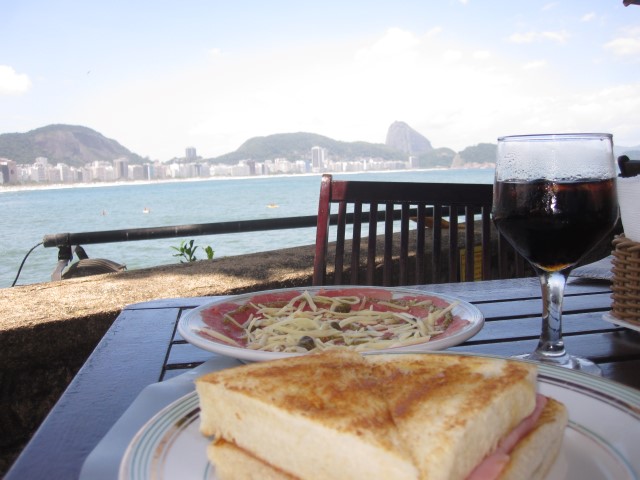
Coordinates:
<point>27,215</point>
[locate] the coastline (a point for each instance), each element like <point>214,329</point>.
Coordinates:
<point>62,186</point>
<point>171,202</point>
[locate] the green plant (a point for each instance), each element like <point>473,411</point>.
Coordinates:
<point>187,251</point>
<point>209,251</point>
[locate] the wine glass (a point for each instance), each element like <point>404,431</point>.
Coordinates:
<point>554,199</point>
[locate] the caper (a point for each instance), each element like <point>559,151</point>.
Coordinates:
<point>343,308</point>
<point>335,325</point>
<point>307,343</point>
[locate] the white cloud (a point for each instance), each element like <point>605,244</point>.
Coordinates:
<point>434,32</point>
<point>531,37</point>
<point>535,65</point>
<point>215,52</point>
<point>394,42</point>
<point>587,17</point>
<point>614,109</point>
<point>528,37</point>
<point>626,44</point>
<point>452,55</point>
<point>353,92</point>
<point>482,54</point>
<point>13,83</point>
<point>559,37</point>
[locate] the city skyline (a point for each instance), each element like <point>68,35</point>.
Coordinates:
<point>160,76</point>
<point>192,167</point>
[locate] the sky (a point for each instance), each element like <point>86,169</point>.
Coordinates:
<point>160,76</point>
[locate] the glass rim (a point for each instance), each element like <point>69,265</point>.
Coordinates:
<point>555,136</point>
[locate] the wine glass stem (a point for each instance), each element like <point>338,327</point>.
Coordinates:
<point>551,345</point>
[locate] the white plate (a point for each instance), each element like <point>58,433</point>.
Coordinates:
<point>601,441</point>
<point>608,317</point>
<point>192,323</point>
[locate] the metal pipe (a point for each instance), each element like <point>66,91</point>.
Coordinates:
<point>153,233</point>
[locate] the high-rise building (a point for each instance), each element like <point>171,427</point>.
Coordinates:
<point>121,168</point>
<point>318,158</point>
<point>190,153</point>
<point>252,166</point>
<point>8,171</point>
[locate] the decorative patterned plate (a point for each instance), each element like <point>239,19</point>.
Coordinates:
<point>468,321</point>
<point>601,441</point>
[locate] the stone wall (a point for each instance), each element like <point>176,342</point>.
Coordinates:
<point>48,330</point>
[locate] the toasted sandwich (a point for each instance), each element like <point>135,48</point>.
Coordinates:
<point>339,414</point>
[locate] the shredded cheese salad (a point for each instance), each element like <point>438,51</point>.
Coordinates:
<point>300,321</point>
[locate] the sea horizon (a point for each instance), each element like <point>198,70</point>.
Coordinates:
<point>61,186</point>
<point>29,214</point>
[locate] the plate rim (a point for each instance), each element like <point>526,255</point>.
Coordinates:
<point>242,353</point>
<point>614,394</point>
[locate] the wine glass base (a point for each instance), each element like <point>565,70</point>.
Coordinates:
<point>567,361</point>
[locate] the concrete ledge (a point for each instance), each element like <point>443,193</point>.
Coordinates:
<point>26,306</point>
<point>48,330</point>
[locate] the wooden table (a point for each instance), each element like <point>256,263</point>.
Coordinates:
<point>142,348</point>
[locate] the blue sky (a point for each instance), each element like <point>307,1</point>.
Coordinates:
<point>159,76</point>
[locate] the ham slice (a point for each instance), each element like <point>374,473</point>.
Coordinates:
<point>491,466</point>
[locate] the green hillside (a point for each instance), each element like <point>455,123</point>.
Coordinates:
<point>295,146</point>
<point>70,144</point>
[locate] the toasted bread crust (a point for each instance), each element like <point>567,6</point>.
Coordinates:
<point>533,456</point>
<point>452,410</point>
<point>531,459</point>
<point>319,403</point>
<point>379,416</point>
<point>318,387</point>
<point>233,463</point>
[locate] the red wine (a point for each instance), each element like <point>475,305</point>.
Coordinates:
<point>554,224</point>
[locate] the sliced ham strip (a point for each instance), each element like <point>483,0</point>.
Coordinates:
<point>491,466</point>
<point>508,443</point>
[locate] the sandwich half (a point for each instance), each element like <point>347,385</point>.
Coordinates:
<point>313,416</point>
<point>339,414</point>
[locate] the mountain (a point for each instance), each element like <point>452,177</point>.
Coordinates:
<point>402,141</point>
<point>298,145</point>
<point>438,157</point>
<point>70,144</point>
<point>77,146</point>
<point>401,136</point>
<point>479,154</point>
<point>404,138</point>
